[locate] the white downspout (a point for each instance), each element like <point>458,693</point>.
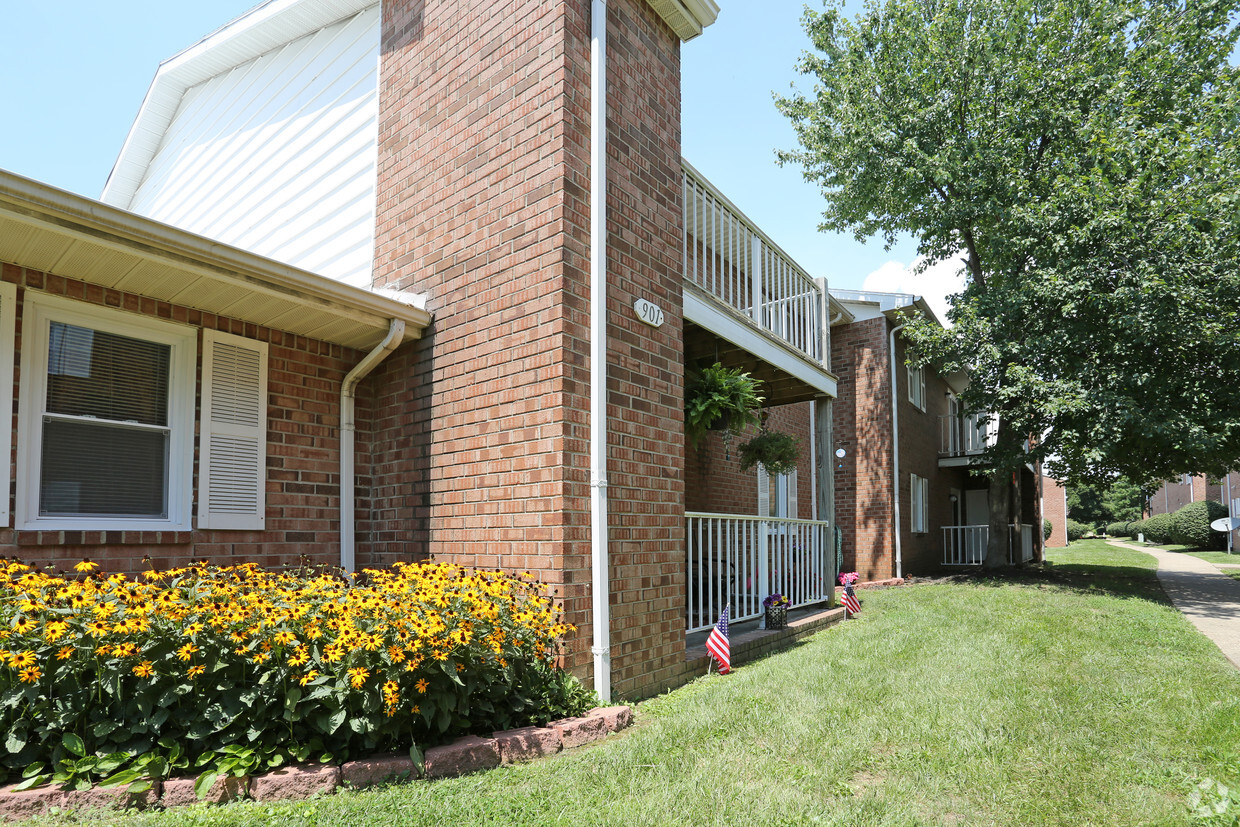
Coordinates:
<point>348,433</point>
<point>895,448</point>
<point>600,581</point>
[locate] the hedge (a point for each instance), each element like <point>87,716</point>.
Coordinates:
<point>1077,530</point>
<point>1047,528</point>
<point>1190,526</point>
<point>1157,529</point>
<point>1119,529</point>
<point>209,671</point>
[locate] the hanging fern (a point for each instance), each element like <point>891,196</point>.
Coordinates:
<point>720,398</point>
<point>773,450</point>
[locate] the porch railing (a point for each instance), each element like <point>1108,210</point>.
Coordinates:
<point>729,257</point>
<point>962,436</point>
<point>965,545</point>
<point>739,560</point>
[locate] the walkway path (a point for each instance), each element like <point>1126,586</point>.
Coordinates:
<point>1206,596</point>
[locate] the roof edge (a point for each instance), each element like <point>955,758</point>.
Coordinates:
<point>688,18</point>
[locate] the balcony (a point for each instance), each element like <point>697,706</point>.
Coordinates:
<point>963,436</point>
<point>738,560</point>
<point>965,545</point>
<point>743,289</point>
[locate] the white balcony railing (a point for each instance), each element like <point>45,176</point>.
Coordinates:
<point>739,560</point>
<point>965,545</point>
<point>729,257</point>
<point>962,436</point>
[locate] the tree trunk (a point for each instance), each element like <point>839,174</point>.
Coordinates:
<point>1000,501</point>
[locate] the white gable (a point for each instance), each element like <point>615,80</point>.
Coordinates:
<point>264,136</point>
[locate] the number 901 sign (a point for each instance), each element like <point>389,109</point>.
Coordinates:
<point>648,312</point>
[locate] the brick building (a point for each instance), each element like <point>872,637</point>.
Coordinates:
<point>915,470</point>
<point>1175,494</point>
<point>1055,509</point>
<point>380,249</point>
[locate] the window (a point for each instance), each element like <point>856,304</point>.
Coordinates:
<point>105,428</point>
<point>777,495</point>
<point>919,488</point>
<point>917,387</point>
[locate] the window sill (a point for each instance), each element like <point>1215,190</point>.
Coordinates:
<point>102,538</point>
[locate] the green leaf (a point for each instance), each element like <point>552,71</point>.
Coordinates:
<point>73,744</point>
<point>15,741</point>
<point>418,759</point>
<point>122,777</point>
<point>203,785</point>
<point>140,786</point>
<point>31,782</point>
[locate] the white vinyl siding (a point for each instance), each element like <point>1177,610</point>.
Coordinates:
<point>917,387</point>
<point>233,443</point>
<point>8,308</point>
<point>279,154</point>
<point>105,420</point>
<point>919,489</point>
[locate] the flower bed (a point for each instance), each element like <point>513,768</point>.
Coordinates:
<point>235,670</point>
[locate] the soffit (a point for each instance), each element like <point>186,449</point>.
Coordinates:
<point>56,232</point>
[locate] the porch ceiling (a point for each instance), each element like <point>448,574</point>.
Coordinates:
<point>59,233</point>
<point>702,347</point>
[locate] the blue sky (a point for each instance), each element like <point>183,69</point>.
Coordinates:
<point>73,74</point>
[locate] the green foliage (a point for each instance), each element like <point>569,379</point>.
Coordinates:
<point>1076,530</point>
<point>1109,501</point>
<point>1047,528</point>
<point>1190,526</point>
<point>1081,160</point>
<point>1157,529</point>
<point>232,671</point>
<point>1117,529</point>
<point>718,397</point>
<point>773,450</point>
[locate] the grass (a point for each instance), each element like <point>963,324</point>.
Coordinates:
<point>1070,695</point>
<point>1218,557</point>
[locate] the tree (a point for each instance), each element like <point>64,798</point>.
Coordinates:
<point>1118,500</point>
<point>1080,157</point>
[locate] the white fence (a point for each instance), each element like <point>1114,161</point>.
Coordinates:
<point>965,545</point>
<point>739,560</point>
<point>961,436</point>
<point>728,256</point>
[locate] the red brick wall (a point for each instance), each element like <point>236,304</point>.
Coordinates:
<point>1055,509</point>
<point>304,378</point>
<point>483,205</point>
<point>715,483</point>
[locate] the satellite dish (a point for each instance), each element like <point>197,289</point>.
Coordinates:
<point>1225,524</point>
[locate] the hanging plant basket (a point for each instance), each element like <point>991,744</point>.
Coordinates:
<point>720,399</point>
<point>774,450</point>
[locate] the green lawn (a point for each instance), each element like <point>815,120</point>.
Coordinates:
<point>1218,557</point>
<point>1072,695</point>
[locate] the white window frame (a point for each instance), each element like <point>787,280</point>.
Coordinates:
<point>38,312</point>
<point>917,386</point>
<point>919,494</point>
<point>8,315</point>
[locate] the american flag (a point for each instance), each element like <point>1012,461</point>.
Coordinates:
<point>850,600</point>
<point>717,644</point>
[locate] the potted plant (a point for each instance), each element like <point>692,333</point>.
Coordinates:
<point>776,606</point>
<point>773,450</point>
<point>719,398</point>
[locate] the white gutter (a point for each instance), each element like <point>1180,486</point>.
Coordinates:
<point>348,434</point>
<point>600,581</point>
<point>895,448</point>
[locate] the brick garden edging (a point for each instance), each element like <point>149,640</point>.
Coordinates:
<point>464,755</point>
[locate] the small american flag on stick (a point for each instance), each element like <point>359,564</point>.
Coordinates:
<point>717,645</point>
<point>851,604</point>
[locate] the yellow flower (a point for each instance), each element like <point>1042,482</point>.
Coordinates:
<point>97,628</point>
<point>358,677</point>
<point>187,651</point>
<point>421,685</point>
<point>299,657</point>
<point>308,677</point>
<point>284,638</point>
<point>85,566</point>
<point>195,671</point>
<point>24,625</point>
<point>144,669</point>
<point>30,674</point>
<point>65,653</point>
<point>192,629</point>
<point>261,657</point>
<point>23,659</point>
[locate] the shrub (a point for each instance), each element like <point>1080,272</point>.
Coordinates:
<point>1047,528</point>
<point>1190,526</point>
<point>236,670</point>
<point>1157,529</point>
<point>1076,530</point>
<point>1136,528</point>
<point>1117,529</point>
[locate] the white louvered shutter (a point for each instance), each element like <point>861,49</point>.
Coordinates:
<point>764,492</point>
<point>793,512</point>
<point>233,433</point>
<point>8,307</point>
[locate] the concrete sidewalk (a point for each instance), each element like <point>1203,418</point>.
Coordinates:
<point>1206,596</point>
